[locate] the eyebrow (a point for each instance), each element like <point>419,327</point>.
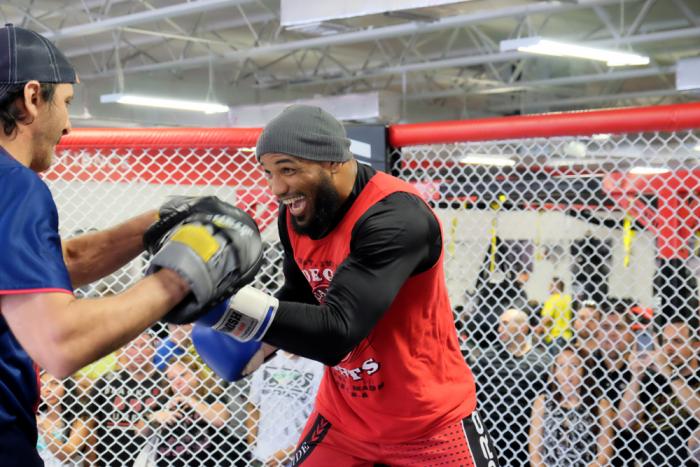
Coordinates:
<point>284,160</point>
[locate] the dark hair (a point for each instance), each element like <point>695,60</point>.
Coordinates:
<point>11,114</point>
<point>619,306</point>
<point>590,388</point>
<point>691,323</point>
<point>578,305</point>
<point>558,283</point>
<point>72,405</point>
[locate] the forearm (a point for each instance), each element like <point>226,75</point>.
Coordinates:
<point>536,433</point>
<point>251,423</point>
<point>56,446</point>
<point>630,407</point>
<point>353,306</point>
<point>94,255</point>
<point>215,414</point>
<point>63,334</point>
<point>317,332</point>
<point>119,318</point>
<point>688,397</point>
<point>605,445</point>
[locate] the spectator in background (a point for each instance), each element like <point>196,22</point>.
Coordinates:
<point>586,323</point>
<point>191,429</point>
<point>120,402</point>
<point>662,400</point>
<point>615,340</point>
<point>510,374</point>
<point>282,396</point>
<point>557,316</point>
<point>175,344</point>
<point>178,343</point>
<point>572,422</point>
<point>63,431</point>
<point>87,375</point>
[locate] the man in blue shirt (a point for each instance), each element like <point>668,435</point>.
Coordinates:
<point>40,319</point>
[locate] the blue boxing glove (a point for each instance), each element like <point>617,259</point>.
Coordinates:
<point>230,359</point>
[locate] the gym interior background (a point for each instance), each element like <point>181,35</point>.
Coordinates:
<point>544,170</point>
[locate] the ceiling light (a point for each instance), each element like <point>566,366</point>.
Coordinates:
<point>647,170</point>
<point>165,103</point>
<point>486,159</point>
<point>571,162</point>
<point>538,45</point>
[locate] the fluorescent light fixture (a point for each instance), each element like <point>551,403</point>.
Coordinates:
<point>572,162</point>
<point>486,159</point>
<point>646,170</point>
<point>164,103</point>
<point>538,45</point>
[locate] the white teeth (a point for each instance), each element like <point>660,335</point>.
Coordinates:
<point>289,201</point>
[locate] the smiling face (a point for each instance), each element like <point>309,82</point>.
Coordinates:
<point>306,188</point>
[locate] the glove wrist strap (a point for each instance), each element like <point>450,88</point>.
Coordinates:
<point>249,315</point>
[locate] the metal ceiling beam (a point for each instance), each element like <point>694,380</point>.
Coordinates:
<point>365,35</point>
<point>687,12</point>
<point>563,81</point>
<point>142,17</point>
<point>109,46</point>
<point>586,100</point>
<point>492,58</point>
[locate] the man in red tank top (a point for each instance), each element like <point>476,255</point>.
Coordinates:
<point>365,294</point>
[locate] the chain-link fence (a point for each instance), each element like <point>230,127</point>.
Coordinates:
<point>571,263</point>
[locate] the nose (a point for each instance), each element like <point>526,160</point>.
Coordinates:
<point>277,185</point>
<point>68,128</point>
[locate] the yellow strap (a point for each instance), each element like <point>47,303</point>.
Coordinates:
<point>496,206</point>
<point>199,239</point>
<point>627,238</point>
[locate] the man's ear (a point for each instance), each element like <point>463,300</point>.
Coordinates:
<point>31,100</point>
<point>334,167</point>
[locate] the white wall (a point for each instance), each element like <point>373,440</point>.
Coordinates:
<point>468,235</point>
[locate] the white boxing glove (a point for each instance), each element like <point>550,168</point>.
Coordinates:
<point>248,316</point>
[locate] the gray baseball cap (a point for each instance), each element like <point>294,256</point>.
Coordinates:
<point>26,56</point>
<point>306,132</point>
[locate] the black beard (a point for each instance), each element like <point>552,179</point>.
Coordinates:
<point>326,204</point>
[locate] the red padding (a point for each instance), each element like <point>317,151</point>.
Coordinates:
<point>629,120</point>
<point>160,138</point>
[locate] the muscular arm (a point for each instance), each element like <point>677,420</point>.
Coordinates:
<point>63,334</point>
<point>93,255</point>
<point>396,238</point>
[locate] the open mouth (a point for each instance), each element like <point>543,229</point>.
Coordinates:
<point>296,205</point>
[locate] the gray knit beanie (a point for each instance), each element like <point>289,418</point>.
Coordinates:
<point>306,132</point>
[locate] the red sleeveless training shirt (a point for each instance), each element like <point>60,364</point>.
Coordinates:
<point>408,377</point>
